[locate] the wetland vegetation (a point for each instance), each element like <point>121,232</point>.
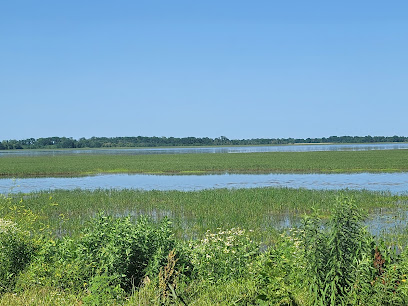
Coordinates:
<point>207,163</point>
<point>241,246</point>
<point>265,246</point>
<point>194,212</point>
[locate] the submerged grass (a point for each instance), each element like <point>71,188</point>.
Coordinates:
<point>272,162</point>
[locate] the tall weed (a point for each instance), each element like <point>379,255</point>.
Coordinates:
<point>338,254</point>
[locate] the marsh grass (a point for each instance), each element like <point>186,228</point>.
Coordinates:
<point>263,210</point>
<point>273,162</point>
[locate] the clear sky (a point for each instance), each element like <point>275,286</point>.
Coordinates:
<point>240,69</point>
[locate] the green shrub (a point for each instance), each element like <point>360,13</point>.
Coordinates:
<point>16,251</point>
<point>55,266</point>
<point>103,290</point>
<point>389,284</point>
<point>281,279</point>
<point>109,248</point>
<point>118,246</point>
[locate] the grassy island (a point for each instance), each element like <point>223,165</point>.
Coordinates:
<point>207,163</point>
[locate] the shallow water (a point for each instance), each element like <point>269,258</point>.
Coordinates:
<point>232,149</point>
<point>396,183</point>
<point>387,223</point>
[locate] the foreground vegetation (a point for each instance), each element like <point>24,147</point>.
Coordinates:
<point>275,162</point>
<point>217,247</point>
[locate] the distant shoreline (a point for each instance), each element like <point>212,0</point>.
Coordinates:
<point>190,142</point>
<point>196,146</point>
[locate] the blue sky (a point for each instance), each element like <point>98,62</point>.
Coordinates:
<point>241,69</point>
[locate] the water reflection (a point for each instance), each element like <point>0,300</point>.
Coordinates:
<point>388,220</point>
<point>196,150</point>
<point>388,223</point>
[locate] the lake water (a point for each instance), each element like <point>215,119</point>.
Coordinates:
<point>396,183</point>
<point>232,149</point>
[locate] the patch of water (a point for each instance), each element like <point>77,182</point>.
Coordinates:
<point>396,183</point>
<point>388,220</point>
<point>381,222</point>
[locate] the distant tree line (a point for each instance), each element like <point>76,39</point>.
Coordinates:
<point>142,141</point>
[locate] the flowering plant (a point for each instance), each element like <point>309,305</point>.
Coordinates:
<point>223,255</point>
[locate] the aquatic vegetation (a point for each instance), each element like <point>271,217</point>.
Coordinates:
<point>264,210</point>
